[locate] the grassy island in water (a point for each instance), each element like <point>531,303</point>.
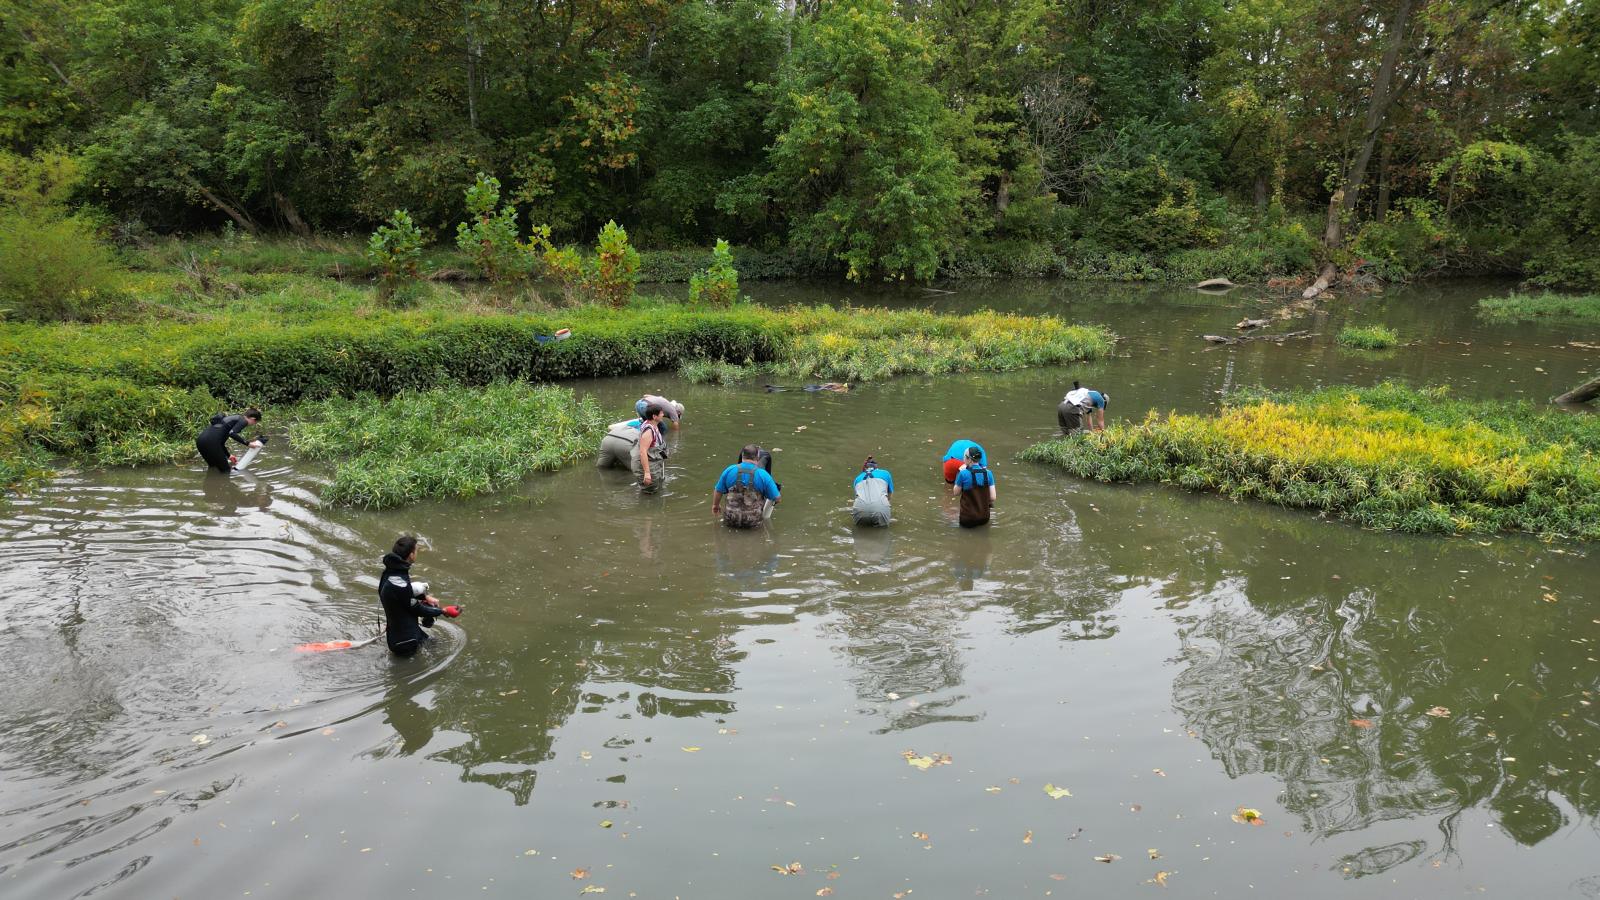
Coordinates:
<point>1388,457</point>
<point>132,392</point>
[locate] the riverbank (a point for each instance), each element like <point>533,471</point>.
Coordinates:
<point>1388,457</point>
<point>135,392</point>
<point>1567,309</point>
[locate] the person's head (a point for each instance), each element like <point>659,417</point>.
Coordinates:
<point>974,455</point>
<point>677,408</point>
<point>653,412</point>
<point>1076,385</point>
<point>751,452</point>
<point>253,416</point>
<point>405,547</point>
<point>869,465</point>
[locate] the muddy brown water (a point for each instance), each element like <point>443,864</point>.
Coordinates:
<point>676,709</point>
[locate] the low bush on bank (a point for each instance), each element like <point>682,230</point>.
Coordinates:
<point>712,371</point>
<point>1368,337</point>
<point>1387,457</point>
<point>445,443</point>
<point>1542,307</point>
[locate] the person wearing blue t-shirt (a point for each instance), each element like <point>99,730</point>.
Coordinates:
<point>956,457</point>
<point>872,487</point>
<point>975,486</point>
<point>749,490</point>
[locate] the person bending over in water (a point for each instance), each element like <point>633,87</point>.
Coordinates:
<point>672,408</point>
<point>873,488</point>
<point>956,457</point>
<point>635,445</point>
<point>213,442</point>
<point>751,492</point>
<point>1094,403</point>
<point>406,603</point>
<point>975,487</point>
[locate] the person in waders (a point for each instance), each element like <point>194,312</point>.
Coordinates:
<point>956,457</point>
<point>1072,410</point>
<point>407,608</point>
<point>1094,404</point>
<point>749,490</point>
<point>635,445</point>
<point>672,408</point>
<point>873,488</point>
<point>213,441</point>
<point>975,488</point>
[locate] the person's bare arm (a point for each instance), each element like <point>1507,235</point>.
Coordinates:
<point>716,503</point>
<point>646,441</point>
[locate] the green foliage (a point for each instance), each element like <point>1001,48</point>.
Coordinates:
<point>718,285</point>
<point>53,265</point>
<point>1368,337</point>
<point>445,443</point>
<point>1386,457</point>
<point>395,248</point>
<point>612,274</point>
<point>1409,242</point>
<point>858,162</point>
<point>1147,208</point>
<point>489,238</point>
<point>1542,307</point>
<point>1561,233</point>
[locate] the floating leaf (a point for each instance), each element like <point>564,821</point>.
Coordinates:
<point>605,823</point>
<point>1108,858</point>
<point>1027,838</point>
<point>1361,723</point>
<point>993,789</point>
<point>1154,853</point>
<point>327,731</point>
<point>584,754</point>
<point>1161,879</point>
<point>892,695</point>
<point>793,868</point>
<point>580,874</point>
<point>200,739</point>
<point>592,889</point>
<point>824,892</point>
<point>690,749</point>
<point>1054,876</point>
<point>1248,816</point>
<point>922,762</point>
<point>1438,712</point>
<point>920,835</point>
<point>1056,793</point>
<point>1159,772</point>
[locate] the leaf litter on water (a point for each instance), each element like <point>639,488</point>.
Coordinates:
<point>1247,816</point>
<point>1056,793</point>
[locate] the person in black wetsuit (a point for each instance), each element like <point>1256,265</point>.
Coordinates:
<point>213,442</point>
<point>406,604</point>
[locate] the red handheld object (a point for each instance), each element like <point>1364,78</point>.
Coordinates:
<point>452,611</point>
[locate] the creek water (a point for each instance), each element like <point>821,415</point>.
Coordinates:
<point>675,708</point>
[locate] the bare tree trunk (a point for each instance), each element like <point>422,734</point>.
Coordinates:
<point>1343,202</point>
<point>473,51</point>
<point>1261,191</point>
<point>237,215</point>
<point>291,215</point>
<point>1583,393</point>
<point>1381,210</point>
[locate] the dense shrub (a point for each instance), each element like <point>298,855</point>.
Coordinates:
<point>1410,242</point>
<point>490,237</point>
<point>53,267</point>
<point>1149,208</point>
<point>614,272</point>
<point>1387,457</point>
<point>718,285</point>
<point>444,443</point>
<point>395,249</point>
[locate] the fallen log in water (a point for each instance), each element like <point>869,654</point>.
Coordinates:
<point>1274,338</point>
<point>1583,393</point>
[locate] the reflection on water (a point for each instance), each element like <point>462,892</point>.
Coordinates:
<point>728,700</point>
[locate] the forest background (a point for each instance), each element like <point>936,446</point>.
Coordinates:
<point>1144,139</point>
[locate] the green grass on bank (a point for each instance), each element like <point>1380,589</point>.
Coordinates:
<point>1543,307</point>
<point>137,391</point>
<point>1368,337</point>
<point>452,442</point>
<point>1387,457</point>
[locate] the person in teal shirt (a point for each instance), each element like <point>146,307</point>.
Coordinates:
<point>956,457</point>
<point>751,492</point>
<point>873,487</point>
<point>975,488</point>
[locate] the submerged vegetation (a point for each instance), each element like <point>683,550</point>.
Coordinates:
<point>1542,307</point>
<point>1368,337</point>
<point>445,443</point>
<point>1388,457</point>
